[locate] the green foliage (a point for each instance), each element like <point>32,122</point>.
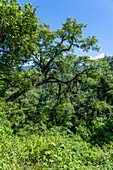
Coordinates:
<point>58,114</point>
<point>102,132</point>
<point>52,52</point>
<point>53,150</point>
<point>5,124</point>
<point>17,33</point>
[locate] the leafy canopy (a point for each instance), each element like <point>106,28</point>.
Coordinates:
<point>51,52</point>
<point>17,33</point>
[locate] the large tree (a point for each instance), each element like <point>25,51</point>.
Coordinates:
<point>51,52</point>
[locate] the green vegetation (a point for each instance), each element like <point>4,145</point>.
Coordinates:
<point>53,149</point>
<point>59,113</point>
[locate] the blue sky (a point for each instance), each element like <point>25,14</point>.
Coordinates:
<point>98,14</point>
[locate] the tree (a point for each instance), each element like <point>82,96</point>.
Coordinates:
<point>18,35</point>
<point>52,52</point>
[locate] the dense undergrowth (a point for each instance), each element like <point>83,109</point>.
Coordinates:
<point>34,147</point>
<point>37,133</point>
<point>53,149</point>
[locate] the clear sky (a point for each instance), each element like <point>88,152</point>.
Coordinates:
<point>98,14</point>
